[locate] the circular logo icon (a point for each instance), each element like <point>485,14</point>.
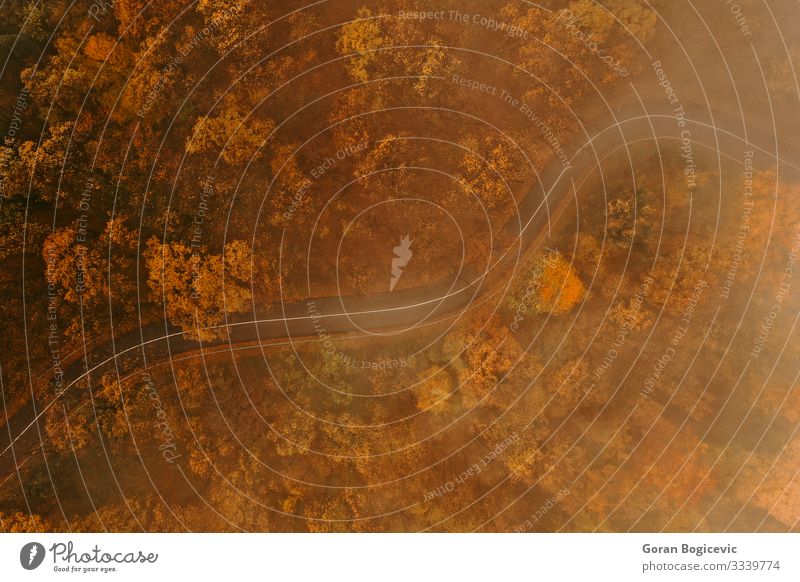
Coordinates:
<point>31,555</point>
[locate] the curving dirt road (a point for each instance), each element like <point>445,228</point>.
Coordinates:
<point>636,117</point>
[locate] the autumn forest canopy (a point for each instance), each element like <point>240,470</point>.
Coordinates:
<point>399,266</point>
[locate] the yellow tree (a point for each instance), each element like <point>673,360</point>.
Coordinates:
<point>434,390</point>
<point>18,522</point>
<point>433,63</point>
<point>781,77</point>
<point>559,287</point>
<point>349,106</point>
<point>779,492</point>
<point>199,288</point>
<point>384,165</point>
<point>81,268</point>
<point>366,43</point>
<point>236,25</point>
<point>490,168</point>
<point>290,194</point>
<point>633,16</point>
<point>592,16</point>
<point>360,39</point>
<point>43,163</point>
<point>636,16</point>
<point>490,351</point>
<point>632,315</point>
<point>73,267</point>
<point>148,511</point>
<point>684,276</point>
<point>69,430</point>
<point>230,134</point>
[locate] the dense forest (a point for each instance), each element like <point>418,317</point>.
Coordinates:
<point>391,266</point>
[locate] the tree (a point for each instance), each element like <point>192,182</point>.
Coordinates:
<point>146,512</point>
<point>337,510</point>
<point>15,169</point>
<point>594,17</point>
<point>34,18</point>
<point>526,460</point>
<point>679,473</point>
<point>489,353</point>
<point>434,62</point>
<point>549,285</point>
<point>13,225</point>
<point>99,47</point>
<point>774,198</point>
<point>633,16</point>
<point>360,39</point>
<point>571,385</point>
<point>19,522</point>
<point>683,277</point>
<point>75,269</point>
<point>435,389</point>
<point>490,168</point>
<point>89,272</point>
<point>289,195</point>
<point>368,43</point>
<point>26,165</point>
<point>69,429</point>
<point>350,105</point>
<point>636,16</point>
<point>779,493</point>
<point>238,26</point>
<point>236,139</point>
<point>632,315</point>
<point>385,163</point>
<point>198,288</point>
<point>629,218</point>
<point>781,78</point>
